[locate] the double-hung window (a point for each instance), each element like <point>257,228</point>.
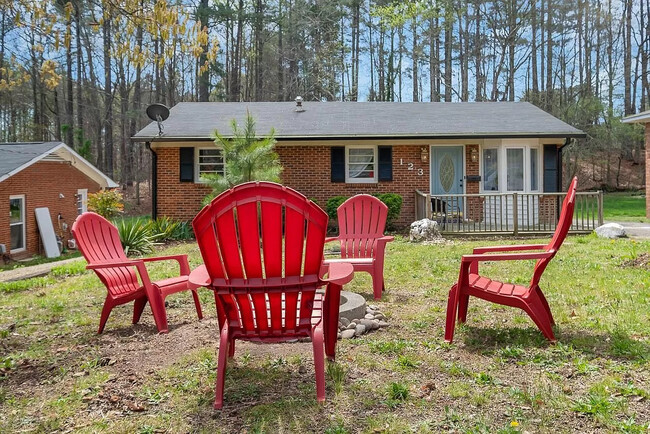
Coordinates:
<point>209,161</point>
<point>82,200</point>
<point>360,164</point>
<point>17,223</point>
<point>491,169</point>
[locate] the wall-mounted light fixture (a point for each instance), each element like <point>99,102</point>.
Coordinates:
<point>424,154</point>
<point>473,155</point>
<point>61,196</point>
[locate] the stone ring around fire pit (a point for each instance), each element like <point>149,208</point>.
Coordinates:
<point>355,318</point>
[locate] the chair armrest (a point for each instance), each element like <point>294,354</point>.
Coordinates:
<point>199,277</point>
<point>181,259</point>
<point>339,273</point>
<point>467,259</point>
<point>113,264</point>
<point>386,239</point>
<point>330,239</point>
<point>479,250</point>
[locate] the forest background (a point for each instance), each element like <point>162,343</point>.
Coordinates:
<point>83,71</point>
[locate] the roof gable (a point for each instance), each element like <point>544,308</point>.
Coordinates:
<point>322,120</point>
<point>15,157</point>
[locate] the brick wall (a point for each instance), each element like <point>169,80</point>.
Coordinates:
<point>306,169</point>
<point>474,204</point>
<point>41,183</point>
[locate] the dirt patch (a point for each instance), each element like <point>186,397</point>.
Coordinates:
<point>641,261</point>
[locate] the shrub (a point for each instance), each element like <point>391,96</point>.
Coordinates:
<point>394,203</point>
<point>163,229</point>
<point>135,234</point>
<point>106,203</point>
<point>332,204</point>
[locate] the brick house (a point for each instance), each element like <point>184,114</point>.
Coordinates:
<point>34,175</point>
<point>342,148</point>
<point>644,118</point>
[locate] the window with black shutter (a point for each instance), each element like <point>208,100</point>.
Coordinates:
<point>385,163</point>
<point>338,164</point>
<point>551,165</point>
<point>187,164</point>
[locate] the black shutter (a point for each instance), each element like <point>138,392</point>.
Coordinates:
<point>338,164</point>
<point>551,165</point>
<point>385,163</point>
<point>187,164</point>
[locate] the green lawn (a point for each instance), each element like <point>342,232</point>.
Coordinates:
<point>624,206</point>
<point>500,375</point>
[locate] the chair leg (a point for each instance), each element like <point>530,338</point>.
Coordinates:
<point>221,367</point>
<point>331,319</point>
<point>197,303</point>
<point>138,308</point>
<point>377,284</point>
<point>452,308</point>
<point>537,312</point>
<point>463,302</point>
<point>545,304</point>
<point>231,349</point>
<point>319,362</point>
<point>157,303</point>
<point>106,311</point>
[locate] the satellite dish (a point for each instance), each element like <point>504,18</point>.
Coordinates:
<point>158,113</point>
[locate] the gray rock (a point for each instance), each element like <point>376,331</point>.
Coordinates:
<point>424,230</point>
<point>372,307</point>
<point>370,324</point>
<point>379,316</point>
<point>347,334</point>
<point>383,324</point>
<point>338,335</point>
<point>352,325</point>
<point>359,330</point>
<point>344,321</point>
<point>369,316</point>
<point>611,230</point>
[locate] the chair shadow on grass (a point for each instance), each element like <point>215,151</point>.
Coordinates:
<point>616,345</point>
<point>264,397</point>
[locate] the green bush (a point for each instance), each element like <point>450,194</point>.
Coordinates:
<point>332,204</point>
<point>163,229</point>
<point>106,203</point>
<point>135,234</point>
<point>394,203</point>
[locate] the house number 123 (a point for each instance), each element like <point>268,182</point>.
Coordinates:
<point>411,166</point>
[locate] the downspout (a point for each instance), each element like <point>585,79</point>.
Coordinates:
<point>154,181</point>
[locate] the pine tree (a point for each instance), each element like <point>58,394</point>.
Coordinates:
<point>247,158</point>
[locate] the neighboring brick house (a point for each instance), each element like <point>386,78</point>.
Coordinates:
<point>35,175</point>
<point>343,148</point>
<point>644,118</point>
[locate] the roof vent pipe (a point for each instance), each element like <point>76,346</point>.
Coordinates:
<point>299,107</point>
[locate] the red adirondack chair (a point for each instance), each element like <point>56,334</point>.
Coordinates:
<point>530,298</point>
<point>362,219</point>
<point>99,242</point>
<point>262,245</point>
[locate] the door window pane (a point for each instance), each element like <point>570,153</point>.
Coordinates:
<point>17,240</point>
<point>490,170</point>
<point>534,175</point>
<point>17,222</point>
<point>15,210</point>
<point>515,169</point>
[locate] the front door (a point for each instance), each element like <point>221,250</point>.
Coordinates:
<point>447,173</point>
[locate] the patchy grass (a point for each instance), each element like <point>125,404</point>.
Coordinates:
<point>500,375</point>
<point>624,206</point>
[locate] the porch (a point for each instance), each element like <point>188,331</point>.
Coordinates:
<point>507,213</point>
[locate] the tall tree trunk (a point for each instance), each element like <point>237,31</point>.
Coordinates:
<point>203,79</point>
<point>533,47</point>
<point>416,59</point>
<point>549,52</point>
<point>108,94</point>
<point>69,101</point>
<point>448,51</point>
<point>80,119</point>
<point>627,59</point>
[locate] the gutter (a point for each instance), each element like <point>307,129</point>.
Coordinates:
<point>154,181</point>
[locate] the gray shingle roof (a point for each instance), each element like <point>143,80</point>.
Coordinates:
<point>14,155</point>
<point>198,120</point>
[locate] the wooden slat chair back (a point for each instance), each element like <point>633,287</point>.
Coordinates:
<point>99,242</point>
<point>362,221</point>
<point>262,245</point>
<point>530,299</point>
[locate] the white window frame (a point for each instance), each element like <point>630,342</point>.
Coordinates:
<point>82,194</point>
<point>349,180</point>
<point>482,169</point>
<point>197,166</point>
<point>504,168</point>
<point>539,168</point>
<point>23,223</point>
